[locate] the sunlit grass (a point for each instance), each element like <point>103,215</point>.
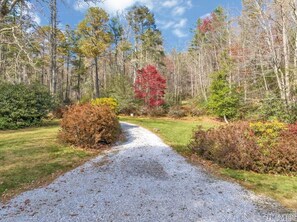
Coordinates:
<point>279,187</point>
<point>33,156</point>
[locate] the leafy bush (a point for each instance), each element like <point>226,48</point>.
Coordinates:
<point>129,109</point>
<point>58,112</point>
<point>156,111</point>
<point>176,112</point>
<point>267,133</point>
<point>273,107</point>
<point>293,128</point>
<point>89,126</point>
<point>110,102</point>
<point>248,147</point>
<point>23,105</point>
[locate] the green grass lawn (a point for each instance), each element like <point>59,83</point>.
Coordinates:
<point>32,157</point>
<point>177,133</point>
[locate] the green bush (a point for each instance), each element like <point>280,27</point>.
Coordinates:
<point>89,126</point>
<point>273,108</point>
<point>23,105</point>
<point>110,102</point>
<point>261,147</point>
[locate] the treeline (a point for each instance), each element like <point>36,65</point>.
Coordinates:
<point>235,67</point>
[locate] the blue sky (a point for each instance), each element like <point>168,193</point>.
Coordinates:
<point>175,18</point>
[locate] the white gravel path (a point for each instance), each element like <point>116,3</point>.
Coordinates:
<point>141,180</point>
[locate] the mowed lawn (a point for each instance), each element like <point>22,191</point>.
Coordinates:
<point>33,157</point>
<point>178,133</point>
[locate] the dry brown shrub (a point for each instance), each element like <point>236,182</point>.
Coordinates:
<point>89,126</point>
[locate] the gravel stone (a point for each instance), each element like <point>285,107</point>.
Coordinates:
<point>141,180</point>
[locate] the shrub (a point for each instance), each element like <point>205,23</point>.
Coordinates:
<point>89,126</point>
<point>176,112</point>
<point>293,128</point>
<point>23,105</point>
<point>156,111</point>
<point>59,112</point>
<point>267,133</point>
<point>196,112</point>
<point>247,147</point>
<point>129,109</point>
<point>110,102</point>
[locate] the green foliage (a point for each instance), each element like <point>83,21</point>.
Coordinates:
<point>273,107</point>
<point>23,105</point>
<point>122,90</point>
<point>223,100</point>
<point>109,102</point>
<point>259,147</point>
<point>95,33</point>
<point>89,126</point>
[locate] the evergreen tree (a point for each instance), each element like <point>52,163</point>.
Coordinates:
<point>223,100</point>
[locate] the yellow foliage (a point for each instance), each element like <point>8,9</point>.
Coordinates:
<point>267,132</point>
<point>110,102</point>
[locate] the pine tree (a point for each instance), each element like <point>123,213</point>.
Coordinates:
<point>223,100</point>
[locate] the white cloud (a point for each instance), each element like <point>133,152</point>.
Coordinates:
<point>165,24</point>
<point>181,24</point>
<point>179,33</point>
<point>179,10</point>
<point>169,3</point>
<point>112,6</point>
<point>189,3</point>
<point>205,16</point>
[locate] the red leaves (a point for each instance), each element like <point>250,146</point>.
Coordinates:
<point>206,25</point>
<point>150,86</point>
<point>210,23</point>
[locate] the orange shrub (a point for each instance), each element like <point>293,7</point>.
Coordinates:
<point>89,126</point>
<point>261,147</point>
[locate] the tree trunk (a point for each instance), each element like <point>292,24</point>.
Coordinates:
<point>225,119</point>
<point>53,46</point>
<point>96,78</point>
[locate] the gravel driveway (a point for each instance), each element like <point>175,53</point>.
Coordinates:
<point>141,180</point>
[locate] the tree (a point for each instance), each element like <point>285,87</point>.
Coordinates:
<point>148,42</point>
<point>223,100</point>
<point>150,86</point>
<point>96,38</point>
<point>7,6</point>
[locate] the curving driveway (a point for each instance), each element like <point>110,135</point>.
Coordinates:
<point>141,180</point>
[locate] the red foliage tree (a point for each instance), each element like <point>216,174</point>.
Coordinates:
<point>150,86</point>
<point>207,24</point>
